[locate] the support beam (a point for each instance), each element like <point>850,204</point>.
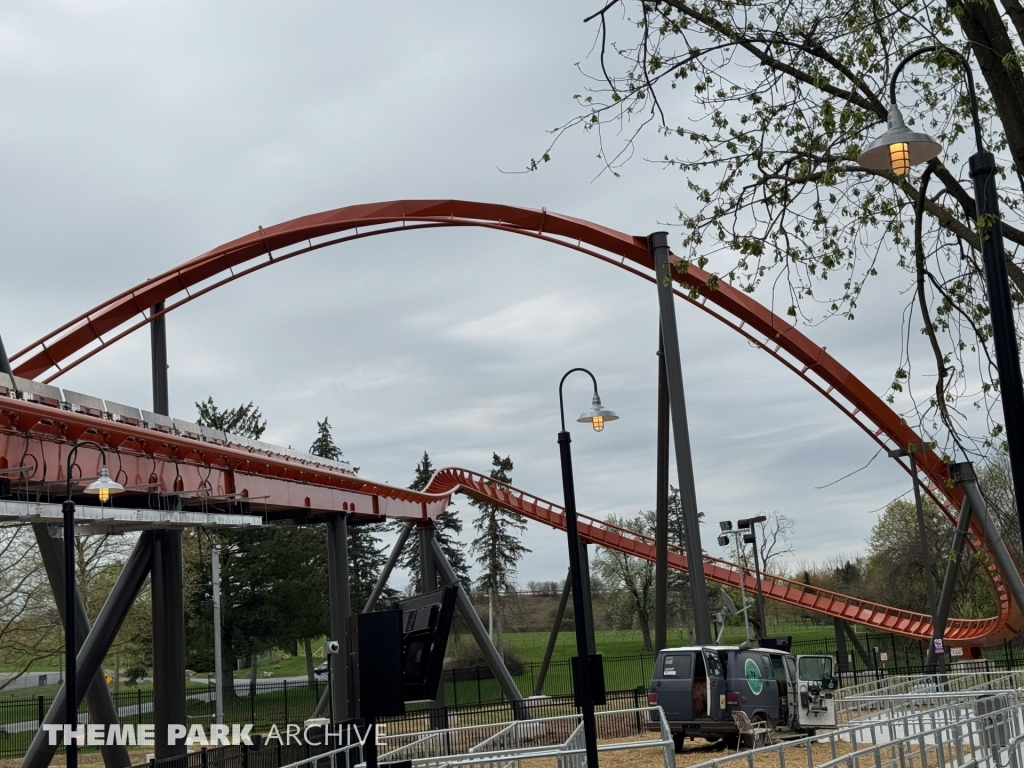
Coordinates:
<point>861,650</point>
<point>382,580</point>
<point>941,615</point>
<point>5,363</point>
<point>553,637</point>
<point>588,603</point>
<point>101,705</point>
<point>158,353</point>
<point>479,631</point>
<point>926,558</point>
<point>842,655</point>
<point>993,537</point>
<point>168,582</point>
<point>96,644</point>
<point>661,507</point>
<point>657,245</point>
<point>428,583</point>
<point>341,607</point>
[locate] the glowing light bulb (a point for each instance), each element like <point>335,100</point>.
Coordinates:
<point>104,495</point>
<point>598,422</point>
<point>899,157</point>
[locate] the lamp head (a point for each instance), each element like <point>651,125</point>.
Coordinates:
<point>898,148</point>
<point>597,415</point>
<point>749,538</point>
<point>103,486</point>
<point>725,525</point>
<point>723,540</point>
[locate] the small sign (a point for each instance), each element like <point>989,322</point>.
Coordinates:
<point>42,679</point>
<point>884,655</point>
<point>849,658</point>
<point>939,647</point>
<point>956,650</point>
<point>109,680</point>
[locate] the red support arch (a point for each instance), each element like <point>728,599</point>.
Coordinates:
<point>86,335</point>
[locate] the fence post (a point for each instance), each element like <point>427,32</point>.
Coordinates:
<point>40,710</point>
<point>252,702</point>
<point>636,706</point>
<point>203,759</point>
<point>138,696</point>
<point>286,700</point>
<point>478,696</point>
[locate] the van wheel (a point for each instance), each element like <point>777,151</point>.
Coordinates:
<point>731,741</point>
<point>678,739</point>
<point>810,731</point>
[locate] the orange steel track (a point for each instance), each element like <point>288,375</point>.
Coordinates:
<point>88,334</point>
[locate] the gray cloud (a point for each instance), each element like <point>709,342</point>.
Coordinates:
<point>137,136</point>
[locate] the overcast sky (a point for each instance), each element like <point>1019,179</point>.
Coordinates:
<point>135,136</point>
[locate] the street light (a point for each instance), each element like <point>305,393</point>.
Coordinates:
<point>102,487</point>
<point>751,538</point>
<point>896,150</point>
<point>596,416</point>
<point>745,533</point>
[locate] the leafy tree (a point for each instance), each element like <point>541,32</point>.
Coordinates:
<point>629,580</point>
<point>498,546</point>
<point>773,103</point>
<point>446,529</point>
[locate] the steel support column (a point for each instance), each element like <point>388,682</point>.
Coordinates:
<point>168,587</point>
<point>861,650</point>
<point>158,352</point>
<point>479,632</point>
<point>428,583</point>
<point>382,580</point>
<point>661,507</point>
<point>553,637</point>
<point>842,655</point>
<point>101,705</point>
<point>5,363</point>
<point>657,245</point>
<point>939,618</point>
<point>96,644</point>
<point>341,607</point>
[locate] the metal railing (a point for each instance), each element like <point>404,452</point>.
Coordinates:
<point>988,734</point>
<point>507,745</point>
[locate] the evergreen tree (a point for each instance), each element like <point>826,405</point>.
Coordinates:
<point>245,420</point>
<point>446,528</point>
<point>498,547</point>
<point>366,556</point>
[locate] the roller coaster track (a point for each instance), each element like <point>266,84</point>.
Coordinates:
<point>787,591</point>
<point>90,333</point>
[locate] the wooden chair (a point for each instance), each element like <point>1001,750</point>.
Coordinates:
<point>759,733</point>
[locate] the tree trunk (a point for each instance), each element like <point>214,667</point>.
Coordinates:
<point>645,630</point>
<point>252,667</point>
<point>310,675</point>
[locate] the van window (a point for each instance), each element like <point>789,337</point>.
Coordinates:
<point>815,667</point>
<point>677,665</point>
<point>778,668</point>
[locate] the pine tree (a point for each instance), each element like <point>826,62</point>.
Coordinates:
<point>245,420</point>
<point>498,547</point>
<point>366,556</point>
<point>446,528</point>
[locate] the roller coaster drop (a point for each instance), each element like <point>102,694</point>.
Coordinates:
<point>291,488</point>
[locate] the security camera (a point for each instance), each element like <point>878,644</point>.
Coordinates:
<point>332,646</point>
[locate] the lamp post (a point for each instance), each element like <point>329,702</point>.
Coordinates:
<point>102,487</point>
<point>596,416</point>
<point>899,148</point>
<point>750,537</point>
